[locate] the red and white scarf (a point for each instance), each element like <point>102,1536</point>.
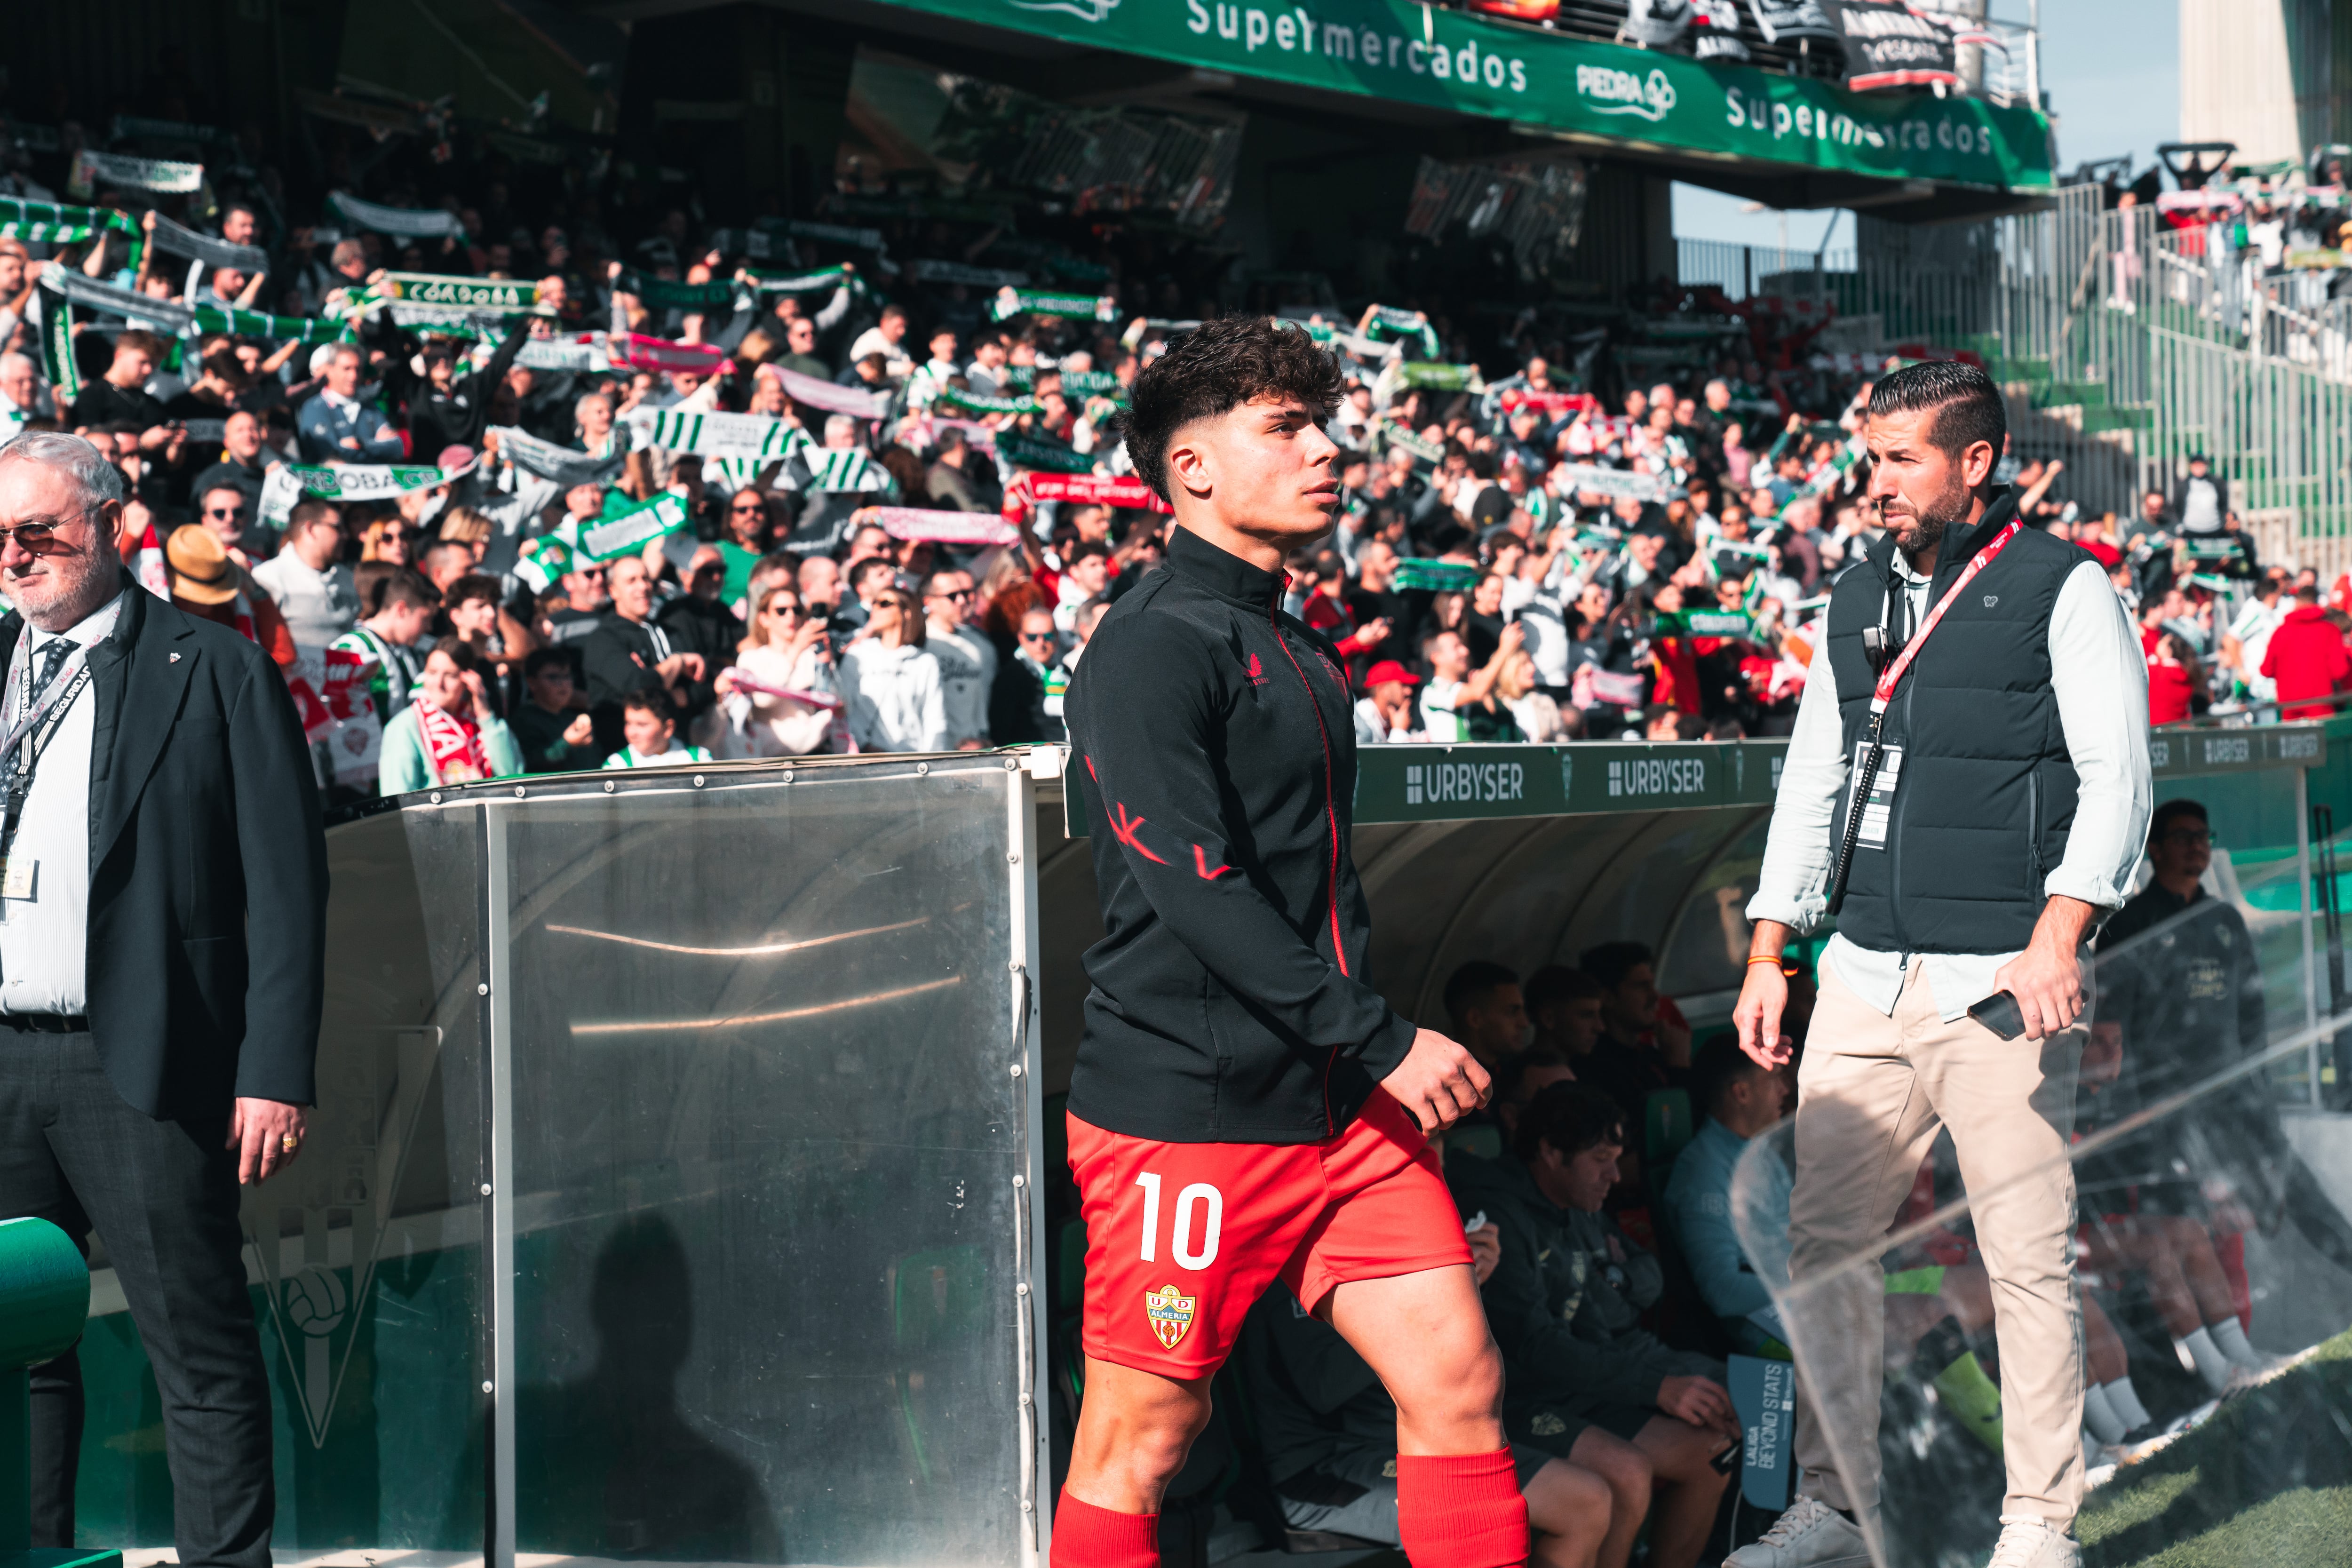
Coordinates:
<point>454,744</point>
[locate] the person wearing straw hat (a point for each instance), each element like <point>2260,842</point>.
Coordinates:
<point>207,583</point>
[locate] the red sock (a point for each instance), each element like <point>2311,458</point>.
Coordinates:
<point>1460,1511</point>
<point>1086,1536</point>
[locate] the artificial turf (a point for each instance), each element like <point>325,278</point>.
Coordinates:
<point>2266,1483</point>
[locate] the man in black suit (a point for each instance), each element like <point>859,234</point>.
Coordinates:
<point>160,973</point>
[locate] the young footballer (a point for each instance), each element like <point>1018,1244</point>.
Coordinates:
<point>1245,1107</point>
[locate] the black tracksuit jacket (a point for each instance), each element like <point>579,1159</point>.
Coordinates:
<point>1214,738</point>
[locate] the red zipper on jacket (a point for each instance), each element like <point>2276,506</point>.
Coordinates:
<point>1330,822</point>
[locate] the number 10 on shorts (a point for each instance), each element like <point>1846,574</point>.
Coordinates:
<point>1188,1204</point>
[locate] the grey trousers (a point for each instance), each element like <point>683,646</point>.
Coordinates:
<point>163,1197</point>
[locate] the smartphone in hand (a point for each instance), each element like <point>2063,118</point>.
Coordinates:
<point>2000,1013</point>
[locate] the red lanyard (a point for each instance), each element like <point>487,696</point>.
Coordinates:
<point>1892,676</point>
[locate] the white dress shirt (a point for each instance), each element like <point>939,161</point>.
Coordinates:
<point>44,939</point>
<point>2100,680</point>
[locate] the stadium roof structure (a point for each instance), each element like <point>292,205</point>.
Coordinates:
<point>1786,139</point>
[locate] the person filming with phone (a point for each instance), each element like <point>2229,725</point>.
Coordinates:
<point>1966,793</point>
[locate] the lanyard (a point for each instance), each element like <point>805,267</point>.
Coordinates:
<point>41,724</point>
<point>63,687</point>
<point>1892,676</point>
<point>1889,680</point>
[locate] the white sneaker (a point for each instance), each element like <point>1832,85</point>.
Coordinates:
<point>1812,1534</point>
<point>2034,1543</point>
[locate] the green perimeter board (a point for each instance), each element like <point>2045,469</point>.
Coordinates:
<point>1454,783</point>
<point>1396,51</point>
<point>401,1465</point>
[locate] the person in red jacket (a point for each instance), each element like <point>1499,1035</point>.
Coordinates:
<point>2172,675</point>
<point>2306,658</point>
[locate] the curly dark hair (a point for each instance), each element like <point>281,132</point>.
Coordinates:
<point>1218,366</point>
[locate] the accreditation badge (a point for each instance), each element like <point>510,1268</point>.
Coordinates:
<point>21,878</point>
<point>1879,809</point>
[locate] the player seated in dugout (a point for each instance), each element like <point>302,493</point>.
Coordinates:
<point>1327,1431</point>
<point>1581,1379</point>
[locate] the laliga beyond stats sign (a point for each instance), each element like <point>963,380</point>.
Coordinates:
<point>1397,49</point>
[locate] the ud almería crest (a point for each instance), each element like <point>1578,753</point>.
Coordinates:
<point>1170,1315</point>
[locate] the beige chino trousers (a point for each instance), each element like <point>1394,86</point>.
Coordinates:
<point>1872,1093</point>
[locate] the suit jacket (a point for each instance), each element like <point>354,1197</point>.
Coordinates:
<point>208,866</point>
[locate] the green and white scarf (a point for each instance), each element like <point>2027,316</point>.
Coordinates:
<point>371,481</point>
<point>47,223</point>
<point>174,240</point>
<point>278,328</point>
<point>972,403</point>
<point>92,168</point>
<point>838,234</point>
<point>627,531</point>
<point>412,223</point>
<point>1027,452</point>
<point>717,434</point>
<point>168,315</point>
<point>934,271</point>
<point>1389,324</point>
<point>1010,302</point>
<point>56,347</point>
<point>551,462</point>
<point>666,294</point>
<point>844,469</point>
<point>1422,449</point>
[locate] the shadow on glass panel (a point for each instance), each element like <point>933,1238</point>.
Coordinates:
<point>2104,1278</point>
<point>617,1471</point>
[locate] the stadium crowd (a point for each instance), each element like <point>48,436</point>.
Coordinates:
<point>504,492</point>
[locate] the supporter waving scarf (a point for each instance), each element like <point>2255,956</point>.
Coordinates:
<point>667,294</point>
<point>452,745</point>
<point>92,168</point>
<point>717,435</point>
<point>429,223</point>
<point>174,240</point>
<point>565,466</point>
<point>1010,302</point>
<point>1387,324</point>
<point>975,404</point>
<point>46,223</point>
<point>260,324</point>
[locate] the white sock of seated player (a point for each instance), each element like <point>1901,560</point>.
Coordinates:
<point>2198,1352</point>
<point>2124,1400</point>
<point>2100,1416</point>
<point>2231,1336</point>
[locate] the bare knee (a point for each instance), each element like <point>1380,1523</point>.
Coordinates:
<point>1464,1384</point>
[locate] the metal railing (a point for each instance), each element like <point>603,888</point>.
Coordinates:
<point>2123,346</point>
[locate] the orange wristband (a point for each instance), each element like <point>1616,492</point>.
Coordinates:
<point>1764,958</point>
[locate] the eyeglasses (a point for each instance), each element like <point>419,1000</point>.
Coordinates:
<point>746,506</point>
<point>792,610</point>
<point>2191,836</point>
<point>957,594</point>
<point>224,511</point>
<point>1036,637</point>
<point>36,538</point>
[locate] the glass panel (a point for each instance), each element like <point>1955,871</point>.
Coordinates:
<point>2153,1167</point>
<point>765,1141</point>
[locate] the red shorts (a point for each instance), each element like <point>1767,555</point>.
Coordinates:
<point>1182,1238</point>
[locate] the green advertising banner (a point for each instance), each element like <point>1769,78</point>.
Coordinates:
<point>1401,51</point>
<point>1455,784</point>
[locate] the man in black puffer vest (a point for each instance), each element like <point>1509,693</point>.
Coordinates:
<point>1980,686</point>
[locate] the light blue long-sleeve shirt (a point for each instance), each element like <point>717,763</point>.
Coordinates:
<point>1737,1287</point>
